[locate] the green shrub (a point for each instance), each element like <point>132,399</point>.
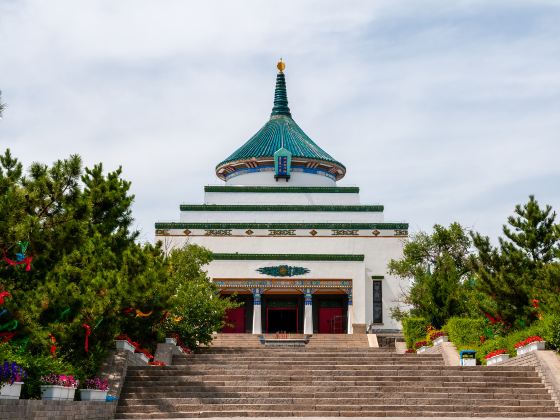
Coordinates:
<point>37,365</point>
<point>551,330</point>
<point>464,331</point>
<point>414,329</point>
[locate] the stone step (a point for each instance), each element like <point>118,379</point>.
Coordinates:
<point>285,413</point>
<point>504,400</point>
<point>294,391</point>
<point>426,373</point>
<point>458,394</point>
<point>185,385</point>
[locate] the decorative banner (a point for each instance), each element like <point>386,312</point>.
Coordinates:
<point>4,295</point>
<point>98,322</point>
<point>63,314</point>
<point>283,271</point>
<point>26,261</point>
<point>53,346</point>
<point>88,333</point>
<point>140,314</point>
<point>10,326</point>
<point>6,336</point>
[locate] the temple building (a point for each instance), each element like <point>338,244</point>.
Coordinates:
<point>300,252</point>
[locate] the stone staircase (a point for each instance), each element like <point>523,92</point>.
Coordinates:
<point>236,341</point>
<point>337,341</point>
<point>319,380</point>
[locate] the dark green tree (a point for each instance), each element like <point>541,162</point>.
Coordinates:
<point>436,264</point>
<point>521,275</point>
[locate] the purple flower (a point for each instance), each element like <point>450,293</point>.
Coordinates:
<point>11,372</point>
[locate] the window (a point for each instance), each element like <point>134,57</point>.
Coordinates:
<point>377,301</point>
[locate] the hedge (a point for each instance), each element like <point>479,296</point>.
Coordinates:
<point>414,329</point>
<point>464,331</point>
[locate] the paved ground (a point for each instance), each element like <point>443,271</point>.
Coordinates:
<point>366,418</point>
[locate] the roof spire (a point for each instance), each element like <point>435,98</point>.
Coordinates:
<point>280,94</point>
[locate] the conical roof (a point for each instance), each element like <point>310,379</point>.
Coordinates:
<point>280,131</point>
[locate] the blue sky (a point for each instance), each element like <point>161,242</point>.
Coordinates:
<point>441,110</point>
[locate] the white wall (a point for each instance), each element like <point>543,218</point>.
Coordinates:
<point>282,198</point>
<point>280,217</point>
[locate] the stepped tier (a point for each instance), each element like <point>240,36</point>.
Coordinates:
<point>328,377</point>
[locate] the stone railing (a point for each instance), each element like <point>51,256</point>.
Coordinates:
<point>71,410</point>
<point>547,365</point>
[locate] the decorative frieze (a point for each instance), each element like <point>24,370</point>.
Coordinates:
<point>262,284</point>
<point>289,257</point>
<point>283,271</point>
<point>217,232</point>
<point>275,190</point>
<point>281,232</point>
<point>282,207</point>
<point>345,232</point>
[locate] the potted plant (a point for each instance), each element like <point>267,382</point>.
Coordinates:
<point>95,389</point>
<point>11,380</point>
<point>421,346</point>
<point>58,387</point>
<point>496,356</point>
<point>530,344</point>
<point>123,342</point>
<point>438,337</point>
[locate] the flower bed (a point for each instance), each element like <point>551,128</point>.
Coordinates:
<point>95,389</point>
<point>11,379</point>
<point>58,387</point>
<point>530,344</point>
<point>438,337</point>
<point>421,346</point>
<point>496,356</point>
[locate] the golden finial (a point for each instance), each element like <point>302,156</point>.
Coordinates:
<point>281,66</point>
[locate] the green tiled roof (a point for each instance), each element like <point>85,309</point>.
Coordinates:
<point>280,131</point>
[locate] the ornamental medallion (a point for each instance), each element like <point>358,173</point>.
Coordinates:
<point>283,271</point>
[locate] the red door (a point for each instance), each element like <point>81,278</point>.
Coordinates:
<point>235,320</point>
<point>331,320</point>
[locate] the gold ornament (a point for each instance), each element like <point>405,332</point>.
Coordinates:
<point>281,66</point>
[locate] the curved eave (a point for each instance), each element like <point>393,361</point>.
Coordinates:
<point>228,167</point>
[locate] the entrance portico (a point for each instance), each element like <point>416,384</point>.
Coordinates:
<point>293,306</point>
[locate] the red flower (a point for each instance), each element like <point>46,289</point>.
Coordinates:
<point>156,363</point>
<point>437,334</point>
<point>490,318</point>
<point>495,353</point>
<point>410,351</point>
<point>420,344</point>
<point>535,303</point>
<point>145,352</point>
<point>533,339</point>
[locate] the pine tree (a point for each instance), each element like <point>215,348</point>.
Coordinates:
<point>521,271</point>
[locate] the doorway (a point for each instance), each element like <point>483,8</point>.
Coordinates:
<point>282,320</point>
